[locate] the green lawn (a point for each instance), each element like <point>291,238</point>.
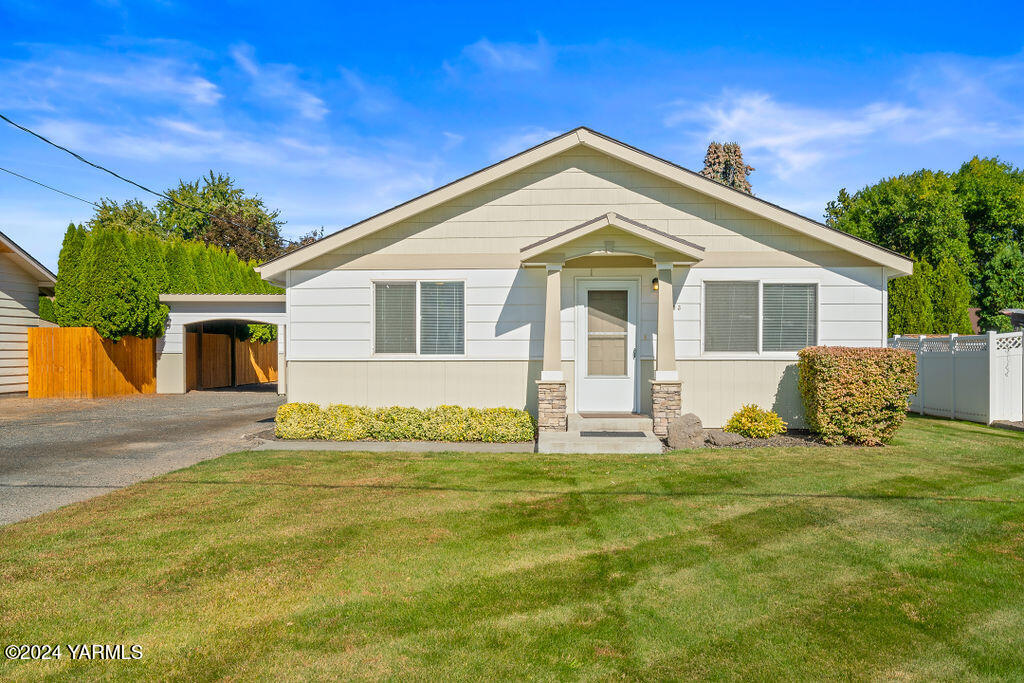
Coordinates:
<point>906,561</point>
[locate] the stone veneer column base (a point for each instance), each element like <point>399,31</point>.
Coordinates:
<point>551,415</point>
<point>666,402</point>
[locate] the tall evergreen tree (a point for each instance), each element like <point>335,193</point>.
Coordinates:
<point>156,254</point>
<point>119,303</point>
<point>69,299</point>
<point>181,274</point>
<point>205,283</point>
<point>724,163</point>
<point>951,297</point>
<point>910,303</point>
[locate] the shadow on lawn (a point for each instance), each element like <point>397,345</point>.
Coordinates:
<point>542,492</point>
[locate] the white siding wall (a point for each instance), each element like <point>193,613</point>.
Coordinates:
<point>330,314</point>
<point>19,307</point>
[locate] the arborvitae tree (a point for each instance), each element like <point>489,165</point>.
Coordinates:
<point>724,163</point>
<point>69,301</point>
<point>951,297</point>
<point>203,270</point>
<point>181,272</point>
<point>46,309</point>
<point>1002,286</point>
<point>910,304</point>
<point>156,251</point>
<point>117,305</point>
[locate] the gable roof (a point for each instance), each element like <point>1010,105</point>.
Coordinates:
<point>675,245</point>
<point>25,260</point>
<point>588,138</point>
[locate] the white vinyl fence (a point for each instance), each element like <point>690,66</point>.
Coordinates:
<point>977,377</point>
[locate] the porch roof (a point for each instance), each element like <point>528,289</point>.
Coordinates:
<point>584,240</point>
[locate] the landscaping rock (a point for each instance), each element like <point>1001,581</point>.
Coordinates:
<point>720,438</point>
<point>685,432</point>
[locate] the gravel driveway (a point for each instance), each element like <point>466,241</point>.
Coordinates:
<point>58,451</point>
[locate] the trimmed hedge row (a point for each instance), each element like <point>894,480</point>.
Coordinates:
<point>859,395</point>
<point>443,423</point>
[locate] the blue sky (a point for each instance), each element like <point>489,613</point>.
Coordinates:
<point>335,111</point>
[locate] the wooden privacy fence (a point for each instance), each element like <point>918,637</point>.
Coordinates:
<point>254,362</point>
<point>76,362</point>
<point>968,377</point>
<point>209,361</point>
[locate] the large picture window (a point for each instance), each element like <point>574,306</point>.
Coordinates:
<point>424,316</point>
<point>790,316</point>
<point>730,317</point>
<point>754,317</point>
<point>394,317</point>
<point>442,323</point>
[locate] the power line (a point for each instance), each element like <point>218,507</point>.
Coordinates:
<point>66,194</point>
<point>131,182</point>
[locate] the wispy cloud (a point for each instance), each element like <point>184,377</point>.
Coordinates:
<point>790,138</point>
<point>505,57</point>
<point>62,76</point>
<point>278,83</point>
<point>522,139</point>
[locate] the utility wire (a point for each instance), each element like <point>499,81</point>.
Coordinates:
<point>129,181</point>
<point>66,194</point>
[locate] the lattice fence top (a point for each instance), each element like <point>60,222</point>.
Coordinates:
<point>968,342</point>
<point>904,343</point>
<point>1008,341</point>
<point>971,343</point>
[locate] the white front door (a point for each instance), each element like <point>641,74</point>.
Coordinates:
<point>606,315</point>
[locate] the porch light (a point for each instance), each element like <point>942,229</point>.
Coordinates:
<point>654,285</point>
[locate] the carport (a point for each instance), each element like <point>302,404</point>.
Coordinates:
<point>200,347</point>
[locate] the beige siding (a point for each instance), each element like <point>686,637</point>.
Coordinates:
<point>564,191</point>
<point>19,307</point>
<point>713,389</point>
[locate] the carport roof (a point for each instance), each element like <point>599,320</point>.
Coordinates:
<point>222,298</point>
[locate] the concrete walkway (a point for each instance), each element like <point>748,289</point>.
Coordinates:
<point>59,451</point>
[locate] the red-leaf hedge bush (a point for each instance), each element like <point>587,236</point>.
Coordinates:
<point>856,394</point>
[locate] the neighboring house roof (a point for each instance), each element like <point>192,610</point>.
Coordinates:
<point>46,279</point>
<point>616,149</point>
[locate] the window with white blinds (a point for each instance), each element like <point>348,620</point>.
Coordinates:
<point>442,318</point>
<point>790,316</point>
<point>394,317</point>
<point>730,316</point>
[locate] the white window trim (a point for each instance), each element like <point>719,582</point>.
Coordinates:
<point>416,355</point>
<point>759,354</point>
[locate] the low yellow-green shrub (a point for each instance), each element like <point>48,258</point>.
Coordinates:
<point>299,421</point>
<point>753,422</point>
<point>346,423</point>
<point>856,394</point>
<point>443,423</point>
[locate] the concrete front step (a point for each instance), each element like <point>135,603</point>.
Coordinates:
<point>574,442</point>
<point>609,423</point>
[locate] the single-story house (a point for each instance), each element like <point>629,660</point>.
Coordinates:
<point>22,280</point>
<point>579,276</point>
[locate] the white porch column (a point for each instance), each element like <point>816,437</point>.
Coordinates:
<point>665,367</point>
<point>282,365</point>
<point>552,368</point>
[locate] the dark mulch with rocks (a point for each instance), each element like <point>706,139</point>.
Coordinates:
<point>792,437</point>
